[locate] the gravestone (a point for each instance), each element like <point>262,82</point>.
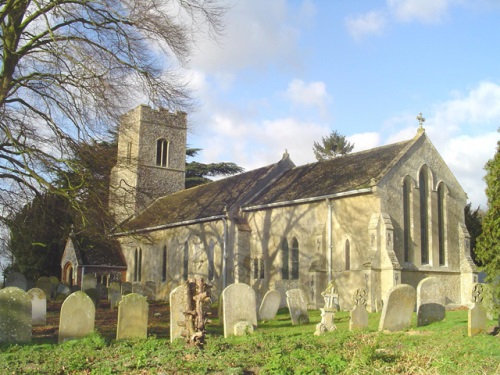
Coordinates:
<point>45,284</point>
<point>126,288</point>
<point>15,315</point>
<point>477,318</point>
<point>132,317</point>
<point>398,308</point>
<point>297,305</point>
<point>270,305</point>
<point>38,306</point>
<point>359,315</point>
<point>177,308</point>
<point>150,290</point>
<point>94,295</point>
<point>55,282</point>
<point>138,288</point>
<point>89,282</point>
<point>63,290</point>
<point>430,301</point>
<point>328,311</point>
<point>77,317</point>
<point>238,306</point>
<point>16,279</point>
<point>114,295</point>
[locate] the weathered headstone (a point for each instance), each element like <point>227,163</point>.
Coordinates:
<point>17,280</point>
<point>177,308</point>
<point>126,288</point>
<point>55,282</point>
<point>150,290</point>
<point>45,284</point>
<point>38,306</point>
<point>270,305</point>
<point>15,315</point>
<point>359,315</point>
<point>114,294</point>
<point>94,295</point>
<point>89,282</point>
<point>297,304</point>
<point>238,306</point>
<point>328,311</point>
<point>63,289</point>
<point>430,301</point>
<point>138,288</point>
<point>477,314</point>
<point>77,318</point>
<point>132,317</point>
<point>398,308</point>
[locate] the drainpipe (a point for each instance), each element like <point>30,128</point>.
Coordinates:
<point>224,255</point>
<point>329,241</point>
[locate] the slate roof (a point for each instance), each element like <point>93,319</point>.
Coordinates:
<point>105,252</point>
<point>342,174</point>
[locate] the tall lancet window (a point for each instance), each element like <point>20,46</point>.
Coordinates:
<point>284,259</point>
<point>162,149</point>
<point>423,183</point>
<point>441,224</point>
<point>407,217</point>
<point>295,259</point>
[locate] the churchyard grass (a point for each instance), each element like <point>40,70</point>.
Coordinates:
<point>276,347</point>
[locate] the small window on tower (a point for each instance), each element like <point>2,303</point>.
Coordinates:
<point>162,146</point>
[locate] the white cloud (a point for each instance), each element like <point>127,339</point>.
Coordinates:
<point>426,11</point>
<point>311,94</point>
<point>364,141</point>
<point>369,23</point>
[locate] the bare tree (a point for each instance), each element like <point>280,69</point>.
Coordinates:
<point>70,67</point>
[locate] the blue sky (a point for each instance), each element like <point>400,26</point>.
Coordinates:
<point>286,73</point>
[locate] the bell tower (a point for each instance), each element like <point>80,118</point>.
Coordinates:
<point>151,159</point>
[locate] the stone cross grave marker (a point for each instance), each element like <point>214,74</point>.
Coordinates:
<point>38,306</point>
<point>477,318</point>
<point>328,311</point>
<point>77,318</point>
<point>177,308</point>
<point>15,315</point>
<point>430,301</point>
<point>269,305</point>
<point>297,305</point>
<point>17,280</point>
<point>398,308</point>
<point>132,317</point>
<point>239,308</point>
<point>359,315</point>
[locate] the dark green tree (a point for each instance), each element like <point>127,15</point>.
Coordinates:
<point>488,244</point>
<point>332,146</point>
<point>473,222</point>
<point>198,173</point>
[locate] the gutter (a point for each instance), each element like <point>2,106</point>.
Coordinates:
<point>312,199</point>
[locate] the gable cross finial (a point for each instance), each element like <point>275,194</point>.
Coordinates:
<point>421,121</point>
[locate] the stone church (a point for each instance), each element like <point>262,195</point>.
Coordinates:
<point>371,219</point>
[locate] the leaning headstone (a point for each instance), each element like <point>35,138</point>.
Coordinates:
<point>45,284</point>
<point>114,294</point>
<point>38,306</point>
<point>77,318</point>
<point>297,304</point>
<point>17,280</point>
<point>328,311</point>
<point>238,306</point>
<point>89,282</point>
<point>15,315</point>
<point>126,288</point>
<point>398,308</point>
<point>132,317</point>
<point>430,301</point>
<point>270,305</point>
<point>177,308</point>
<point>359,315</point>
<point>150,290</point>
<point>477,314</point>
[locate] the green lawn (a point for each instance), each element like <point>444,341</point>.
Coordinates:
<point>276,347</point>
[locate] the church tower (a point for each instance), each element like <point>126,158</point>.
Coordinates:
<point>151,159</point>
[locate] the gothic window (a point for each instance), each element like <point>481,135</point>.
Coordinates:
<point>185,270</point>
<point>284,259</point>
<point>407,217</point>
<point>261,268</point>
<point>136,256</point>
<point>441,224</point>
<point>139,266</point>
<point>347,251</point>
<point>162,149</point>
<point>164,265</point>
<point>129,153</point>
<point>295,259</point>
<point>423,183</point>
<point>258,268</point>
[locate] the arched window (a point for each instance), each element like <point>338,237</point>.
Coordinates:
<point>295,259</point>
<point>407,183</point>
<point>441,224</point>
<point>261,268</point>
<point>139,266</point>
<point>347,252</point>
<point>164,265</point>
<point>185,271</point>
<point>284,259</point>
<point>423,183</point>
<point>162,148</point>
<point>136,260</point>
